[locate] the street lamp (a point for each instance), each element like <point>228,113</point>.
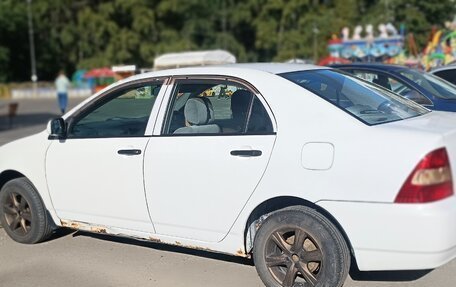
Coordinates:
<point>34,77</point>
<point>315,32</point>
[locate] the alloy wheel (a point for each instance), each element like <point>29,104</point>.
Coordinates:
<point>17,214</point>
<point>293,257</point>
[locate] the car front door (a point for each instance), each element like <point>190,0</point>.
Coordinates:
<point>95,174</point>
<point>205,162</point>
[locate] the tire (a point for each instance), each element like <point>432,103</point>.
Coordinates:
<point>22,212</point>
<point>320,257</point>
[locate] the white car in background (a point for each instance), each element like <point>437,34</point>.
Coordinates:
<point>303,168</point>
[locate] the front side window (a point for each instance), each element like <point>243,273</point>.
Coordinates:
<point>215,107</point>
<point>123,113</point>
<point>369,103</point>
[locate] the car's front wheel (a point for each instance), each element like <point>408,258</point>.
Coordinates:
<point>300,247</point>
<point>22,212</point>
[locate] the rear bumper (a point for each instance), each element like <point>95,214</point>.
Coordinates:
<point>386,236</point>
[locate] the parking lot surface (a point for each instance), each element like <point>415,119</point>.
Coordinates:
<point>84,259</point>
<point>73,258</point>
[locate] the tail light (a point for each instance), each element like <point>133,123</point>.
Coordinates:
<point>431,180</point>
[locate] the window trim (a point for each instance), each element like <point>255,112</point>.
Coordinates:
<point>107,96</point>
<point>162,119</point>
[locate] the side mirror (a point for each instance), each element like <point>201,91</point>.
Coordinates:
<point>56,129</point>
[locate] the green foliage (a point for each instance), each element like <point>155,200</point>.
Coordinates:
<point>11,42</point>
<point>74,34</point>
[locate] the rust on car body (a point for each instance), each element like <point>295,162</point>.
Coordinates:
<point>97,229</point>
<point>240,252</point>
<point>70,224</point>
<point>155,240</point>
<point>83,226</point>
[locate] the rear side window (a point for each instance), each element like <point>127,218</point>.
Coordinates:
<point>435,85</point>
<point>393,84</point>
<point>367,102</point>
<point>448,75</point>
<point>213,107</point>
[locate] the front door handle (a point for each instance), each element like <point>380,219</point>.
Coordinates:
<point>129,151</point>
<point>246,153</point>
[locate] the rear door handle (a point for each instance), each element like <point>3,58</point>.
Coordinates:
<point>246,153</point>
<point>129,151</point>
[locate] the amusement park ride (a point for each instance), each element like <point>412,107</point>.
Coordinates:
<point>388,46</point>
<point>441,49</point>
<point>370,48</point>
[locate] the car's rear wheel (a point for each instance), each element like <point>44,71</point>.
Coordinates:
<point>22,212</point>
<point>300,247</point>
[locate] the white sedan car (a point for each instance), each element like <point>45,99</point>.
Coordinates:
<point>304,168</point>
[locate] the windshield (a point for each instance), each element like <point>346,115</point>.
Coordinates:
<point>435,85</point>
<point>367,102</point>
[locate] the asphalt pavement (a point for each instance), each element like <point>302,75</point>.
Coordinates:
<point>32,117</point>
<point>77,259</point>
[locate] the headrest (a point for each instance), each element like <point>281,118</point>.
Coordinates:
<point>210,109</point>
<point>196,111</point>
<point>382,81</point>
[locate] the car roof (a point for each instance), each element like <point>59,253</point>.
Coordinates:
<point>443,68</point>
<point>377,66</point>
<point>231,69</point>
<point>276,68</point>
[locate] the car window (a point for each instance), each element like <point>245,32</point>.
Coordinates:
<point>215,107</point>
<point>448,75</point>
<point>435,85</point>
<point>123,113</point>
<point>369,103</point>
<point>393,84</point>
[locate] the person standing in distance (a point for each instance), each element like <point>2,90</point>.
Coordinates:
<point>62,84</point>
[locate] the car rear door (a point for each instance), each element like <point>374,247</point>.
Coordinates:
<point>198,181</point>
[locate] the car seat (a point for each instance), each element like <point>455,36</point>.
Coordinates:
<point>198,115</point>
<point>382,81</point>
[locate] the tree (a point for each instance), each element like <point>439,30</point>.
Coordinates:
<point>13,41</point>
<point>83,34</point>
